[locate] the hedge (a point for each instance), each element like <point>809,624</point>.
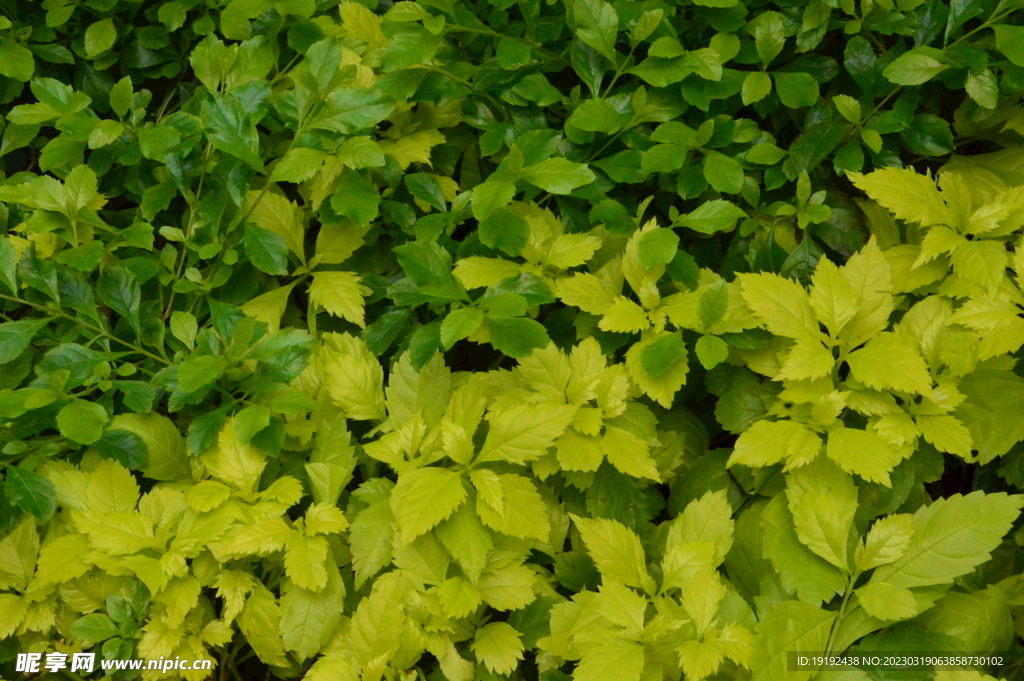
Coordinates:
<point>442,340</point>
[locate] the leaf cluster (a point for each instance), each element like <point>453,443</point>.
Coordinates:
<point>477,340</point>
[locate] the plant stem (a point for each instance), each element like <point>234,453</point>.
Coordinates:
<point>842,612</point>
<point>94,329</point>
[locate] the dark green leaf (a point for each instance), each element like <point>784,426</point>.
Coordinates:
<point>31,492</point>
<point>505,230</point>
<point>657,247</point>
<point>929,135</point>
<point>230,128</point>
<point>123,446</point>
<point>119,289</point>
<point>796,90</point>
<point>662,354</point>
<point>356,198</point>
<point>266,249</point>
<point>517,337</point>
<point>94,628</point>
<point>815,143</point>
<point>15,337</point>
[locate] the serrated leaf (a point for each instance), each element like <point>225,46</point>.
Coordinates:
<point>951,537</point>
<point>889,362</point>
<point>597,24</point>
<point>498,646</point>
<point>790,625</point>
<point>616,550</point>
<point>30,492</point>
<point>424,497</point>
<point>884,601</point>
<point>782,305</point>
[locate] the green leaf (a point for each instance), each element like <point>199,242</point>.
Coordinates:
<point>713,216</point>
<point>121,96</point>
<point>616,658</point>
<point>662,354</point>
<point>1009,41</point>
<point>8,268</point>
<point>597,24</point>
<point>123,446</point>
<point>756,86</point>
<point>16,60</point>
<point>361,152</point>
<point>356,198</point>
<point>94,628</point>
<point>467,540</point>
<point>184,327</point>
<point>888,361</point>
<point>267,250</point>
<point>230,128</point>
<point>862,452</point>
<point>340,293</point>
<point>993,411</point>
<point>512,54</point>
<point>913,69</point>
<point>100,37</point>
<point>506,230</point>
<point>250,421</point>
<point>558,175</point>
<point>259,621</point>
<point>783,305</point>
<point>349,110</point>
<point>647,24</point>
<point>951,537</point>
<point>119,289</point>
<point>884,601</point>
<point>596,115</point>
<point>30,492</point>
<point>82,421</point>
<point>769,36</point>
<point>888,539</point>
<point>789,626</point>
<point>194,373</point>
<point>166,454</point>
<point>848,108</point>
<point>657,247</point>
<point>426,188</point>
<point>517,336</point>
<point>304,562</point>
<point>723,173</point>
<point>460,324</point>
<point>424,497</point>
<point>15,337</point>
<point>765,154</point>
<point>616,551</point>
<point>157,143</point>
<point>308,617</point>
<point>538,89</point>
<point>711,351</point>
<point>796,90</point>
<point>523,432</point>
<point>409,46</point>
<point>490,196</point>
<point>929,135</point>
<point>816,142</point>
<point>983,88</point>
<point>498,646</point>
<point>823,501</point>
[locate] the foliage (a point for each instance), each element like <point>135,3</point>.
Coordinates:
<point>452,340</point>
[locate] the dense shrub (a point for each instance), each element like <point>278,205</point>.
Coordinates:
<point>540,340</point>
